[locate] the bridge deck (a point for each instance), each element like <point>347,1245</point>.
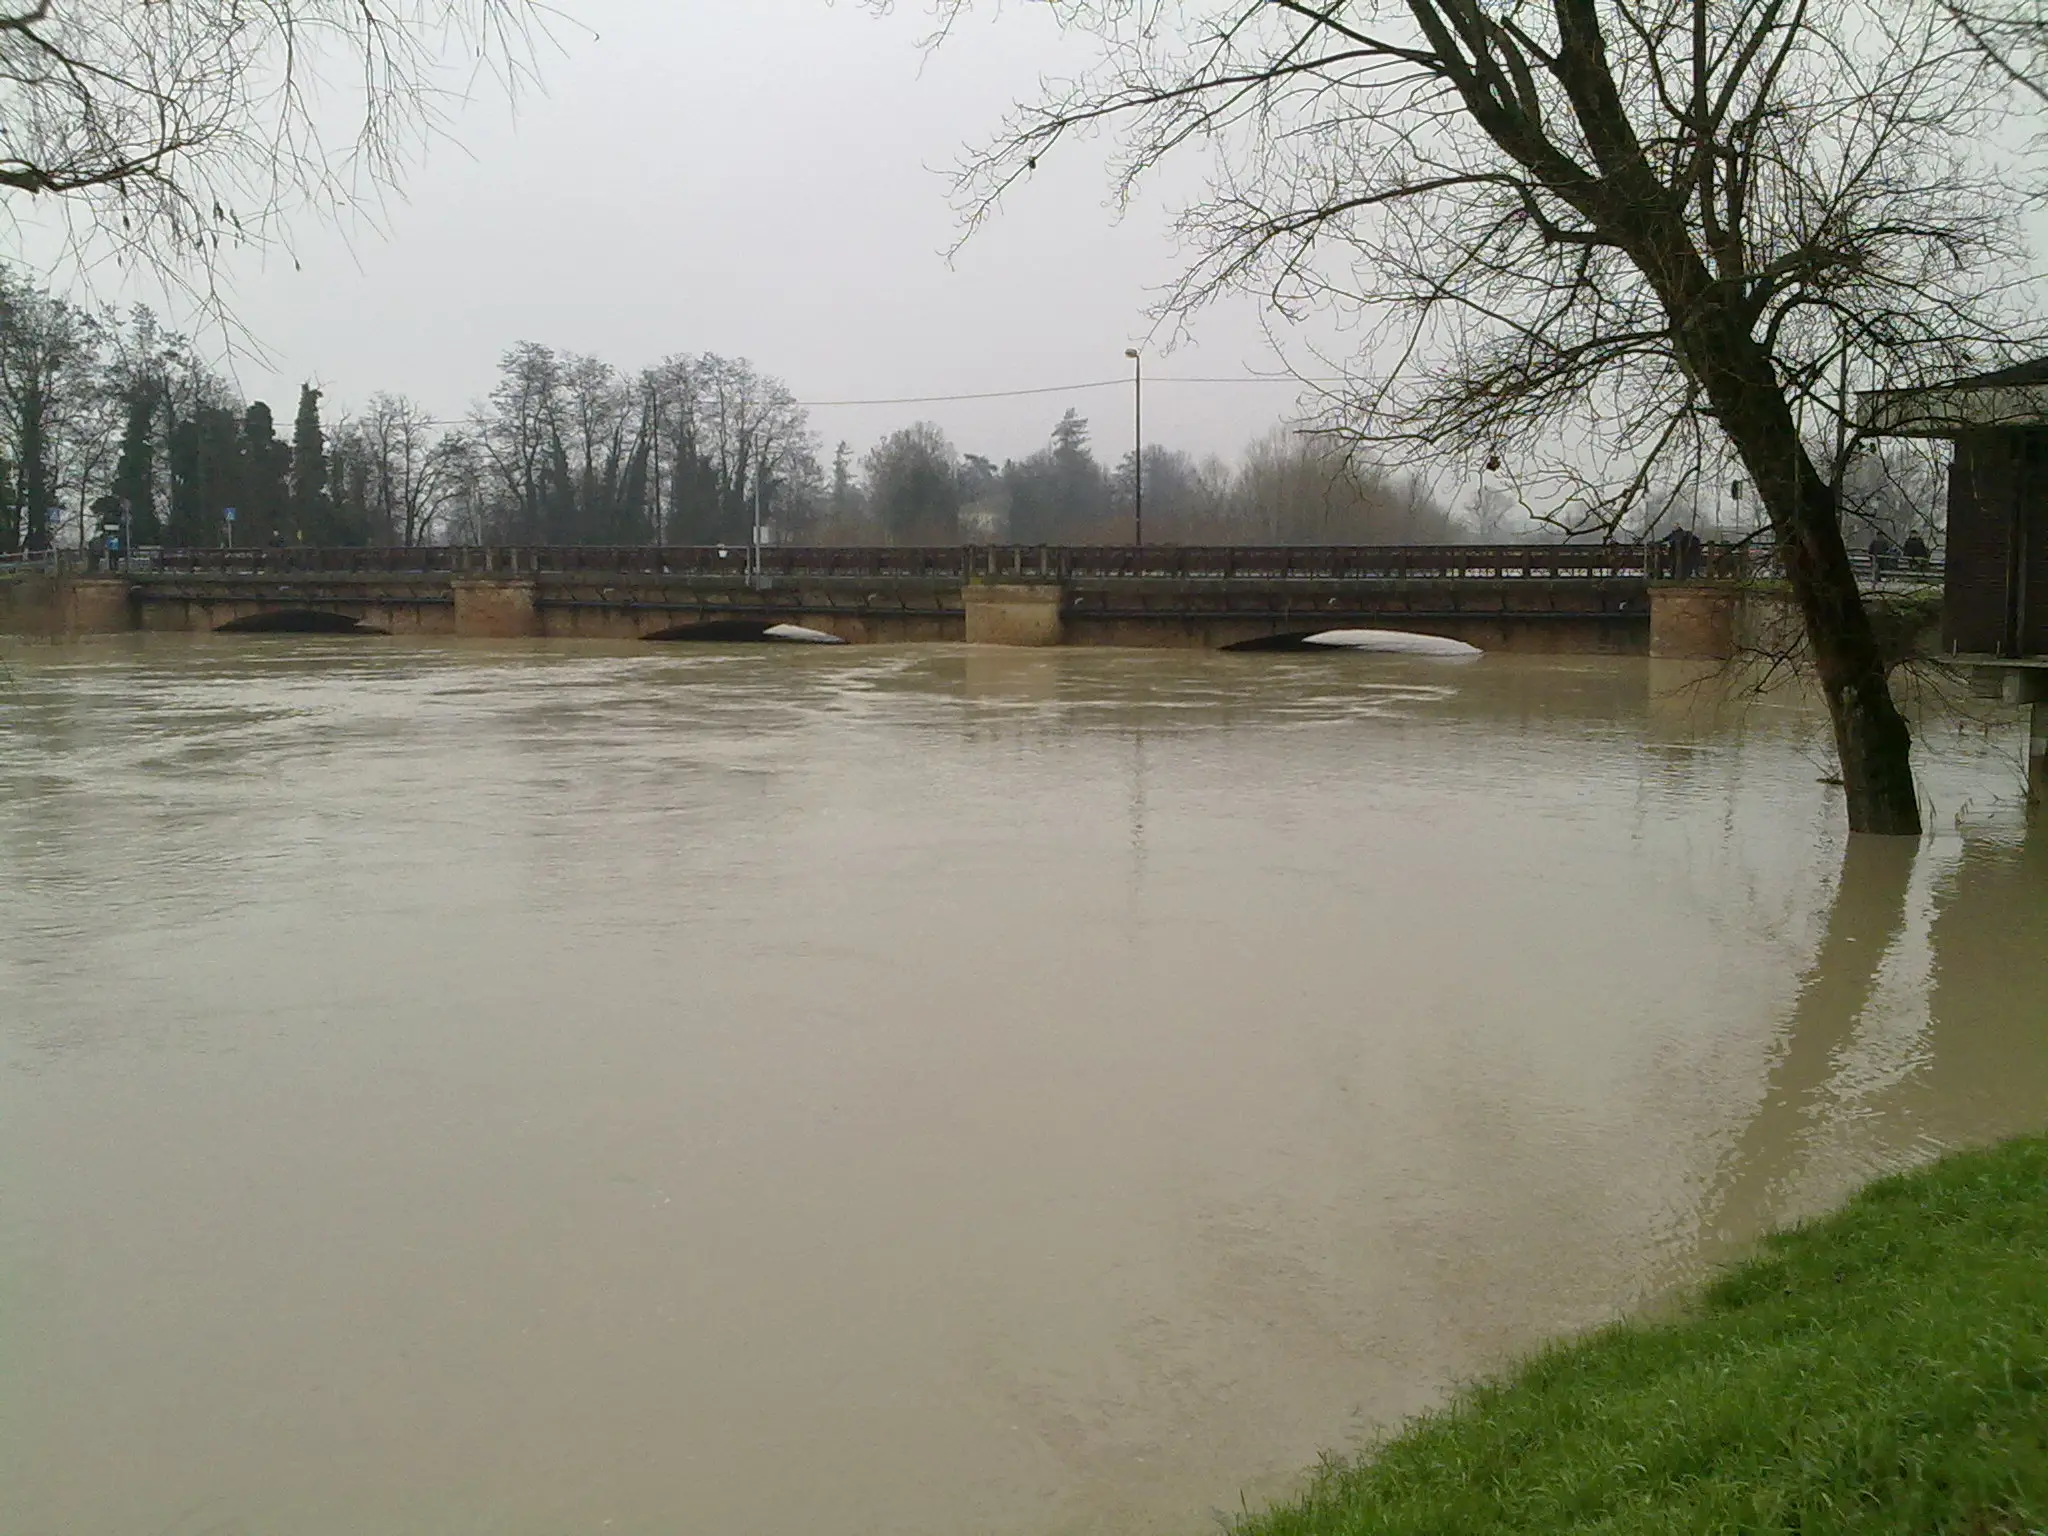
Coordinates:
<point>1049,562</point>
<point>1553,597</point>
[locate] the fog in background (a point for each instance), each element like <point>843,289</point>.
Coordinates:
<point>765,178</point>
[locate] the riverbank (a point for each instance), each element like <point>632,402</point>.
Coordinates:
<point>1883,1370</point>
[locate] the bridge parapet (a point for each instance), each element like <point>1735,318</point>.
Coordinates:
<point>1527,596</point>
<point>1042,562</point>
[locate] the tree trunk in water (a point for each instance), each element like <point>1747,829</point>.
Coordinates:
<point>1871,737</point>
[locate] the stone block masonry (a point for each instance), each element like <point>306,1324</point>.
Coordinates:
<point>1003,613</point>
<point>487,608</point>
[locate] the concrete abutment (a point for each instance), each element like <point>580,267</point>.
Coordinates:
<point>1014,613</point>
<point>36,603</point>
<point>494,608</point>
<point>1694,621</point>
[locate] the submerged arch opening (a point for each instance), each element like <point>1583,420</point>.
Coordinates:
<point>1385,642</point>
<point>297,621</point>
<point>744,632</point>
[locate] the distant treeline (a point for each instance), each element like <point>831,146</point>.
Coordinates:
<point>104,416</point>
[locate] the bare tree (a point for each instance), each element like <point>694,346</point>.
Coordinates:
<point>49,391</point>
<point>726,428</point>
<point>1297,487</point>
<point>604,451</point>
<point>162,131</point>
<point>460,484</point>
<point>2012,34</point>
<point>514,432</point>
<point>1595,226</point>
<point>395,439</point>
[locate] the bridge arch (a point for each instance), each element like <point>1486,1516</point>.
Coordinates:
<point>1295,641</point>
<point>297,621</point>
<point>1382,642</point>
<point>744,632</point>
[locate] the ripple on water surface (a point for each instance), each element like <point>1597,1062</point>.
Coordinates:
<point>532,1088</point>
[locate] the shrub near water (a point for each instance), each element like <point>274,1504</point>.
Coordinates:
<point>1883,1370</point>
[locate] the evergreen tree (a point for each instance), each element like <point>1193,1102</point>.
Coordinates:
<point>979,477</point>
<point>309,509</point>
<point>1060,493</point>
<point>206,477</point>
<point>135,466</point>
<point>266,479</point>
<point>1081,486</point>
<point>351,520</point>
<point>843,493</point>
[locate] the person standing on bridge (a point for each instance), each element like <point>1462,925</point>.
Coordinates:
<point>1686,548</point>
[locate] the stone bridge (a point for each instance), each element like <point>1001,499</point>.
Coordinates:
<point>1524,597</point>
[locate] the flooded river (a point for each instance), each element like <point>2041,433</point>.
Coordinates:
<point>516,1090</point>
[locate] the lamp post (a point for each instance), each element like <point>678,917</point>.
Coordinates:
<point>1137,446</point>
<point>754,554</point>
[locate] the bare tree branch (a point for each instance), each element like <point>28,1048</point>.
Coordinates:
<point>162,133</point>
<point>1594,232</point>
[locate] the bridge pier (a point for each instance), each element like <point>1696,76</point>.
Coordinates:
<point>66,604</point>
<point>97,605</point>
<point>1694,621</point>
<point>493,608</point>
<point>2029,686</point>
<point>1014,613</point>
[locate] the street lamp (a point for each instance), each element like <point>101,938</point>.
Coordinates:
<point>1137,446</point>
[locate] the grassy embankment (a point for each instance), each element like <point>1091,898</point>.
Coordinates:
<point>1885,1369</point>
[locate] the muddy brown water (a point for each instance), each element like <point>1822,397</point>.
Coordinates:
<point>511,1089</point>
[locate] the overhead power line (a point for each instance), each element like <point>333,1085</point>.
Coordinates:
<point>1014,394</point>
<point>989,394</point>
<point>1062,389</point>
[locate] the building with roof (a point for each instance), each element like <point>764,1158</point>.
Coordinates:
<point>1995,587</point>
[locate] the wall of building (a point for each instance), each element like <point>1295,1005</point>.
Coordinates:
<point>1996,591</point>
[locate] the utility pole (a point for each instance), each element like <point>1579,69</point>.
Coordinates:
<point>654,454</point>
<point>754,575</point>
<point>1137,446</point>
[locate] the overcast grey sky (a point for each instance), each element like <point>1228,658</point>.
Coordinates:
<point>763,178</point>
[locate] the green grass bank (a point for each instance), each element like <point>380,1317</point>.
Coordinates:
<point>1884,1369</point>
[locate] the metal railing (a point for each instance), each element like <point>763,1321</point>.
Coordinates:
<point>532,560</point>
<point>996,562</point>
<point>992,562</point>
<point>1897,570</point>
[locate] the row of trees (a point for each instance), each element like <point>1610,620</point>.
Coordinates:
<point>101,415</point>
<point>1288,488</point>
<point>104,416</point>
